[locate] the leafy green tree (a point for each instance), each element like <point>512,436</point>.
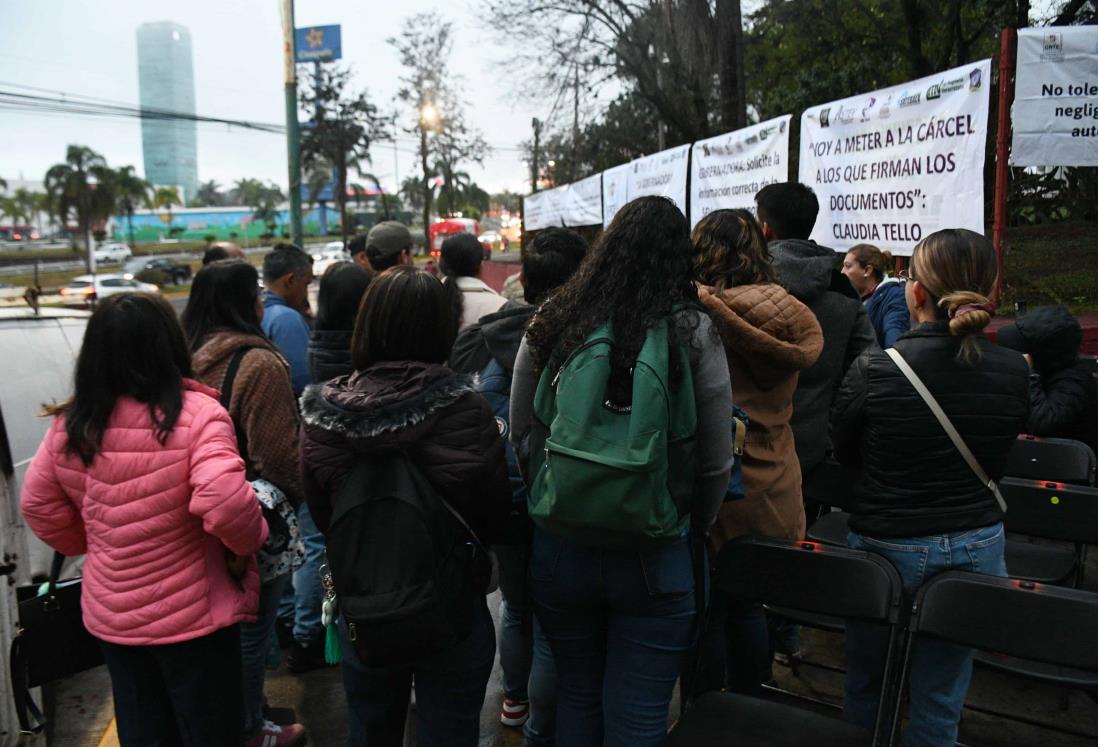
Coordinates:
<point>81,187</point>
<point>342,126</point>
<point>165,198</point>
<point>446,139</point>
<point>209,195</point>
<point>131,192</point>
<point>265,201</point>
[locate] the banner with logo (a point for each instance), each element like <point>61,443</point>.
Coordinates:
<point>662,174</point>
<point>615,191</point>
<point>543,209</point>
<point>892,166</point>
<point>583,202</point>
<point>727,170</point>
<point>1056,97</point>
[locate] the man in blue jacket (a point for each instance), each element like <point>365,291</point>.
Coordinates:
<point>287,273</point>
<point>488,348</point>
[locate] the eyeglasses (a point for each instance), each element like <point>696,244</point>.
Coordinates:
<point>905,275</point>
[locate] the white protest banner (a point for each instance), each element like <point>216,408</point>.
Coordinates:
<point>543,209</point>
<point>727,170</point>
<point>583,202</point>
<point>895,165</point>
<point>615,191</point>
<point>1056,97</point>
<point>662,174</point>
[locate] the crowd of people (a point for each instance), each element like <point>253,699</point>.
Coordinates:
<point>349,482</point>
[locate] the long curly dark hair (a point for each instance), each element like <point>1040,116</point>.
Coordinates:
<point>635,274</point>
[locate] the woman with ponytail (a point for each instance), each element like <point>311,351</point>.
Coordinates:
<point>866,267</point>
<point>921,504</point>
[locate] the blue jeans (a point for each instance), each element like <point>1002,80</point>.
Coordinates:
<point>524,654</point>
<point>619,625</point>
<point>939,672</point>
<point>734,648</point>
<point>254,645</point>
<point>178,693</point>
<point>449,692</point>
<point>301,601</point>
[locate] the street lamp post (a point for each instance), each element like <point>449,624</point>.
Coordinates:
<point>293,133</point>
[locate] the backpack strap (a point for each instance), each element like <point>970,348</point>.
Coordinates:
<point>226,398</point>
<point>947,426</point>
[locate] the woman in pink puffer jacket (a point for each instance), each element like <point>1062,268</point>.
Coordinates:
<point>140,470</point>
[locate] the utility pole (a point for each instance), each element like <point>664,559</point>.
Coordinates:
<point>534,161</point>
<point>575,122</point>
<point>293,134</point>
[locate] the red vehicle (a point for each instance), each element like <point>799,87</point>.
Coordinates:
<point>441,230</point>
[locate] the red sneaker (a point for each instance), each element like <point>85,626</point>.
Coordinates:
<point>273,735</point>
<point>515,712</point>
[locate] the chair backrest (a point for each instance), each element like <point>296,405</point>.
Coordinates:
<point>1050,624</point>
<point>1052,510</point>
<point>811,577</point>
<point>1059,459</point>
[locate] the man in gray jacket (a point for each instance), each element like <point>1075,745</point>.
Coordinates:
<point>787,212</point>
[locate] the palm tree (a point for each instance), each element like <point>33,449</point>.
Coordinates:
<point>130,192</point>
<point>166,198</point>
<point>3,184</point>
<point>209,195</point>
<point>82,185</point>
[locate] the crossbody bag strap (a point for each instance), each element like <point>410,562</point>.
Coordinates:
<point>227,395</point>
<point>947,426</point>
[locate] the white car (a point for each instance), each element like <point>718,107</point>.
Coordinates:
<point>331,253</point>
<point>81,290</point>
<point>112,252</point>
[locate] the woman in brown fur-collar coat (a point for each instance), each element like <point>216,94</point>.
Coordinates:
<point>769,337</point>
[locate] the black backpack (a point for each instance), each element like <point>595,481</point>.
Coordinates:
<point>407,569</point>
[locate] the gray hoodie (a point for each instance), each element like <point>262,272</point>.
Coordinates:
<point>810,272</point>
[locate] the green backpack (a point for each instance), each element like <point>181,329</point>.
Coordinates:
<point>608,476</point>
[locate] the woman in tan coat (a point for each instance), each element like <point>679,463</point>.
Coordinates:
<point>769,336</point>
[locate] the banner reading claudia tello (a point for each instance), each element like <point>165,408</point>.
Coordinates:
<point>543,209</point>
<point>727,170</point>
<point>892,166</point>
<point>661,174</point>
<point>1056,97</point>
<point>615,191</point>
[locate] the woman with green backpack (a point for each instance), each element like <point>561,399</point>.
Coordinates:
<point>621,410</point>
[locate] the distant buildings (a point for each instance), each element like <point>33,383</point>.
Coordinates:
<point>166,81</point>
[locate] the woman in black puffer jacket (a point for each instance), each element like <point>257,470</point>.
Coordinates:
<point>922,507</point>
<point>402,401</point>
<point>341,289</point>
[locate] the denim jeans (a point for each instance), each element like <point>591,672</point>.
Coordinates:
<point>449,692</point>
<point>178,693</point>
<point>254,647</point>
<point>939,672</point>
<point>524,654</point>
<point>619,625</point>
<point>301,601</point>
<point>734,648</point>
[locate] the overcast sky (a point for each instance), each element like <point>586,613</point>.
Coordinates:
<point>90,48</point>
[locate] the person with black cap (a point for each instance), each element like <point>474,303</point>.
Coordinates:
<point>1063,395</point>
<point>388,244</point>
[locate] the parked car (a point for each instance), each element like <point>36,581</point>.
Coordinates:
<point>83,289</point>
<point>114,252</point>
<point>177,272</point>
<point>332,252</point>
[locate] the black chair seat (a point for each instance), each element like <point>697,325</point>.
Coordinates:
<point>1050,673</point>
<point>725,718</point>
<point>831,529</point>
<point>1046,564</point>
<point>809,619</point>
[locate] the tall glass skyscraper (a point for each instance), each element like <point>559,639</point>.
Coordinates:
<point>165,73</point>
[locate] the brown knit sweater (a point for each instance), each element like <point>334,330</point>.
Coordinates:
<point>262,403</point>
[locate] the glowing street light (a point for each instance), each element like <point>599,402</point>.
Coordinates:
<point>428,115</point>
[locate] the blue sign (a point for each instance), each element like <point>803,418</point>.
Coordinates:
<point>317,44</point>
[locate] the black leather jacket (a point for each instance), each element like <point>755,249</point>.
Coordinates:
<point>915,483</point>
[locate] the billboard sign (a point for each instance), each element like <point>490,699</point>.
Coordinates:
<point>317,44</point>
